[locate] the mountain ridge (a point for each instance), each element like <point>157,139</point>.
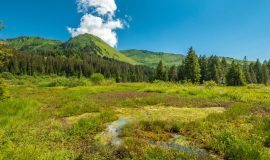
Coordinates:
<point>85,43</point>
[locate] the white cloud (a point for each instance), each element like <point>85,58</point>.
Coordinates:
<point>102,7</point>
<point>99,20</point>
<point>96,26</point>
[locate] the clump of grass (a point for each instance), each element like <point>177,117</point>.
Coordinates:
<point>235,148</point>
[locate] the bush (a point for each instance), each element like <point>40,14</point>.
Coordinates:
<point>64,82</point>
<point>209,84</point>
<point>97,78</point>
<point>7,76</point>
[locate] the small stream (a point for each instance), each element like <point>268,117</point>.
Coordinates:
<point>114,129</point>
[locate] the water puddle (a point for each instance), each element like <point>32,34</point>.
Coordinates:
<point>111,135</point>
<point>197,152</point>
<point>114,129</point>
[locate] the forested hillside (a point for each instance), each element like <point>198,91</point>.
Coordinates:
<point>86,43</point>
<point>151,59</point>
<point>220,71</point>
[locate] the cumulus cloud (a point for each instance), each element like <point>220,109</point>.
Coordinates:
<point>99,20</point>
<point>102,7</point>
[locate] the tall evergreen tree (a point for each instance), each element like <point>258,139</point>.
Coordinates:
<point>214,69</point>
<point>160,71</point>
<point>173,74</point>
<point>181,73</point>
<point>224,70</point>
<point>192,67</point>
<point>265,74</point>
<point>235,75</point>
<point>246,70</point>
<point>258,71</point>
<point>203,65</point>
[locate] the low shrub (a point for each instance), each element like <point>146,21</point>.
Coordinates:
<point>7,76</point>
<point>209,84</point>
<point>97,78</point>
<point>65,82</point>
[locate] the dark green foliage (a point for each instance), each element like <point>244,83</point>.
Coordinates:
<point>192,67</point>
<point>204,68</point>
<point>97,78</point>
<point>214,70</point>
<point>265,74</point>
<point>258,71</point>
<point>235,75</point>
<point>86,43</point>
<point>247,71</point>
<point>160,71</point>
<point>84,65</point>
<point>173,74</point>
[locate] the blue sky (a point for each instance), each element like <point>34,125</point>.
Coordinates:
<point>232,28</point>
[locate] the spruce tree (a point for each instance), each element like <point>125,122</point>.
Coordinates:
<point>224,70</point>
<point>235,75</point>
<point>181,73</point>
<point>258,71</point>
<point>252,73</point>
<point>203,65</point>
<point>173,74</point>
<point>192,67</point>
<point>246,71</point>
<point>160,71</point>
<point>265,74</point>
<point>214,69</point>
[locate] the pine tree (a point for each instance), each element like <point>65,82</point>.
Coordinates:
<point>235,75</point>
<point>203,65</point>
<point>246,70</point>
<point>173,74</point>
<point>160,71</point>
<point>265,74</point>
<point>258,71</point>
<point>181,73</point>
<point>192,67</point>
<point>214,70</point>
<point>224,70</point>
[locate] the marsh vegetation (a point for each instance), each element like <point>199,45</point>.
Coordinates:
<point>50,117</point>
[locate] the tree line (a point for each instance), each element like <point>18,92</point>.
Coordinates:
<point>201,69</point>
<point>76,66</point>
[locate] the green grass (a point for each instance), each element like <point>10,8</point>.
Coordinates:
<point>43,119</point>
<point>151,59</point>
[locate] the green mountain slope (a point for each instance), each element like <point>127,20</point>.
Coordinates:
<point>151,59</point>
<point>34,44</point>
<point>85,43</point>
<point>88,43</point>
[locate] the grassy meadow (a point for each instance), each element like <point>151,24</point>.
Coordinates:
<point>47,117</point>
